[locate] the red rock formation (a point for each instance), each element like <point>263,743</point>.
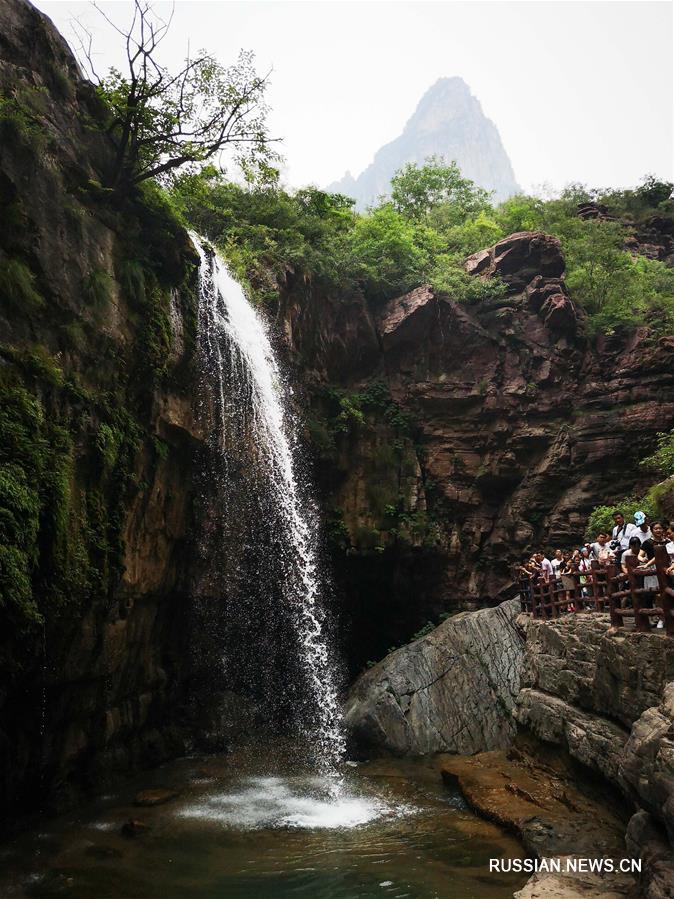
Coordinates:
<point>522,424</point>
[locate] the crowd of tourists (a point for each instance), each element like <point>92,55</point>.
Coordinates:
<point>569,568</point>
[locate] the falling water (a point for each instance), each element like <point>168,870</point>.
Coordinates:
<point>246,385</point>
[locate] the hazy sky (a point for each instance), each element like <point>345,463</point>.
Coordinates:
<point>580,91</point>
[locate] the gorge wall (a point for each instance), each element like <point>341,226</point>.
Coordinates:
<point>600,698</point>
<point>451,437</point>
<point>97,440</point>
<point>606,696</point>
<point>448,437</point>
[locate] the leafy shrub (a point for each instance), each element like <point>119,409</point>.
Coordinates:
<point>132,279</point>
<point>601,517</point>
<point>661,498</point>
<point>449,277</point>
<point>662,459</point>
<point>19,125</point>
<point>98,288</point>
<point>17,286</point>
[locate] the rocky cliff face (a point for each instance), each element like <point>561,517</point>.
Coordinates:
<point>486,429</point>
<point>493,679</point>
<point>448,122</point>
<point>97,439</point>
<point>607,698</point>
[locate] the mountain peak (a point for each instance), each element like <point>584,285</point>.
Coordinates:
<point>448,122</point>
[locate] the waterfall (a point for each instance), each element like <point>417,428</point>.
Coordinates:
<point>251,414</point>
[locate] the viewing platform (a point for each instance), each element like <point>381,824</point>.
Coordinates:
<point>606,588</point>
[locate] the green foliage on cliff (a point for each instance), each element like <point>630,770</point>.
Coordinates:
<point>60,538</point>
<point>17,287</point>
<point>264,230</point>
<point>656,502</point>
<point>20,124</point>
<point>71,450</point>
<point>662,460</point>
<point>434,219</point>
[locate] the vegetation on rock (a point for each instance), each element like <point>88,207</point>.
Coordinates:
<point>434,219</point>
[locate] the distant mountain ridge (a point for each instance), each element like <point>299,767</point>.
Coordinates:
<point>448,122</point>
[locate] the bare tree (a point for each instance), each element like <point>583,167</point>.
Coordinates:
<point>161,121</point>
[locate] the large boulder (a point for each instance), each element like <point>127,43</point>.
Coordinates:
<point>407,318</point>
<point>647,764</point>
<point>519,258</point>
<point>450,691</point>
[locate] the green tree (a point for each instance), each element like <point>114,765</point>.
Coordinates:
<point>161,121</point>
<point>417,190</point>
<point>389,252</point>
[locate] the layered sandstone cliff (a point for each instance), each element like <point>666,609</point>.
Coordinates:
<point>488,428</point>
<point>606,697</point>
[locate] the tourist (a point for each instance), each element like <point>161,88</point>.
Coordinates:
<point>642,528</point>
<point>633,549</point>
<point>584,566</point>
<point>648,548</point>
<point>670,542</point>
<point>544,565</point>
<point>557,561</point>
<point>525,570</point>
<point>600,550</point>
<point>620,536</point>
<point>568,569</point>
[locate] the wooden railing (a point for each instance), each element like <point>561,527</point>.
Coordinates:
<point>606,588</point>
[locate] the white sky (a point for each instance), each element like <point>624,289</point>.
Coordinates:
<point>580,91</point>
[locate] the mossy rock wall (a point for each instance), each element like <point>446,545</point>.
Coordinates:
<point>97,333</point>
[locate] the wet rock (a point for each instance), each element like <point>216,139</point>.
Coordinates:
<point>576,885</point>
<point>134,828</point>
<point>645,840</point>
<point>128,634</point>
<point>545,806</point>
<point>153,797</point>
<point>54,883</point>
<point>452,690</point>
<point>104,852</point>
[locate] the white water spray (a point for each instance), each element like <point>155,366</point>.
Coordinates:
<point>233,338</point>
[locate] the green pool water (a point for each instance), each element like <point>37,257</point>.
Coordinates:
<point>242,829</point>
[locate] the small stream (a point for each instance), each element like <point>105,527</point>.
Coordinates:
<point>244,827</point>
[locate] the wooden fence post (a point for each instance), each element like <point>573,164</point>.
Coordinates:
<point>662,563</point>
<point>641,621</point>
<point>611,573</point>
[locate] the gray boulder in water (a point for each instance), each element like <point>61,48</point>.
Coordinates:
<point>451,691</point>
